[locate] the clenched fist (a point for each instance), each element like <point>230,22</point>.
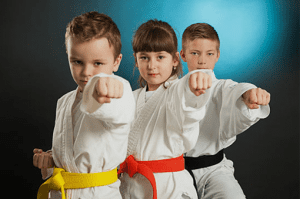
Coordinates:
<point>42,159</point>
<point>199,82</point>
<point>107,88</point>
<point>255,97</point>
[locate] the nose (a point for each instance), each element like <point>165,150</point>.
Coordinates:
<point>201,59</point>
<point>151,64</point>
<point>87,70</point>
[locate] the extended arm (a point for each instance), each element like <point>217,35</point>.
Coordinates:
<point>109,98</point>
<point>240,108</point>
<point>188,98</point>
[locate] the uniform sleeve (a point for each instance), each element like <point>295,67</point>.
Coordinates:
<point>46,173</point>
<point>118,111</point>
<point>235,116</point>
<point>188,108</point>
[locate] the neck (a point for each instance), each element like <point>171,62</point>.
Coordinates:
<point>152,87</point>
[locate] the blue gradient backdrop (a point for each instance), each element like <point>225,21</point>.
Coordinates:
<point>257,37</point>
<point>251,32</point>
<point>259,44</point>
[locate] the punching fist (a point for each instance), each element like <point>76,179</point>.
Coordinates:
<point>199,82</point>
<point>42,159</point>
<point>106,88</point>
<point>255,97</point>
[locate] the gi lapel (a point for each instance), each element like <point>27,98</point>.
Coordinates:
<point>68,155</point>
<point>143,115</point>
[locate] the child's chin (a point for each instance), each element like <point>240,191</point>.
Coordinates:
<point>81,89</point>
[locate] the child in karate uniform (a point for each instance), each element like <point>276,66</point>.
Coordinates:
<point>232,108</point>
<point>166,125</point>
<point>92,122</point>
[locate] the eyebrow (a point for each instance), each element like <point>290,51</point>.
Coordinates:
<point>161,53</point>
<point>99,60</point>
<point>157,53</point>
<point>200,51</point>
<point>142,54</point>
<point>73,57</point>
<point>95,60</point>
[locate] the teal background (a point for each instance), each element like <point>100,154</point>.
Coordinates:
<point>259,44</point>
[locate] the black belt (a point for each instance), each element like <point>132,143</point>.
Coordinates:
<point>192,163</point>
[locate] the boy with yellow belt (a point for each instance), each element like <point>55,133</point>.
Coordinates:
<point>92,122</point>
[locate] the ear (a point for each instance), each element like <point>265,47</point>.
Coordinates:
<point>218,56</point>
<point>182,55</point>
<point>117,63</point>
<point>176,59</point>
<point>135,59</point>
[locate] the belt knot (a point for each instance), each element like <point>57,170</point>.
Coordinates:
<point>132,166</point>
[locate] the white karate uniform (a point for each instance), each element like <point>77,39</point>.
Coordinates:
<point>227,116</point>
<point>166,126</point>
<point>97,142</point>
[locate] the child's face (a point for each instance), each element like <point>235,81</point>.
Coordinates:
<point>89,58</point>
<point>155,67</point>
<point>200,54</point>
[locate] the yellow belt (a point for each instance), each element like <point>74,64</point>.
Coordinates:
<point>61,180</point>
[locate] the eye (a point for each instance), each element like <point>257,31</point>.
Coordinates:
<point>77,62</point>
<point>144,58</point>
<point>194,53</point>
<point>210,54</point>
<point>160,57</point>
<point>98,64</point>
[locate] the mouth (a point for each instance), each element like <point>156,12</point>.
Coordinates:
<point>83,81</point>
<point>153,74</point>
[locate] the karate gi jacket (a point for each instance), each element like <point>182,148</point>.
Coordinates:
<point>166,126</point>
<point>101,140</point>
<point>226,117</point>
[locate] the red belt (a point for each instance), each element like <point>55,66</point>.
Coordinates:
<point>147,168</point>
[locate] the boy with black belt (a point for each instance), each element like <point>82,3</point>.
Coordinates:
<point>232,108</point>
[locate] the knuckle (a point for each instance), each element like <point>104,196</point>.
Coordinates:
<point>251,101</point>
<point>100,81</point>
<point>101,100</point>
<point>102,92</point>
<point>111,80</point>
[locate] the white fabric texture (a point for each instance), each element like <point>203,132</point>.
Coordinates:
<point>166,126</point>
<point>99,140</point>
<point>218,181</point>
<point>226,117</point>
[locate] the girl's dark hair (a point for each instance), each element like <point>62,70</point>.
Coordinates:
<point>156,36</point>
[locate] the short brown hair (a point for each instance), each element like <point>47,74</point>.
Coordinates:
<point>156,36</point>
<point>199,31</point>
<point>94,25</point>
